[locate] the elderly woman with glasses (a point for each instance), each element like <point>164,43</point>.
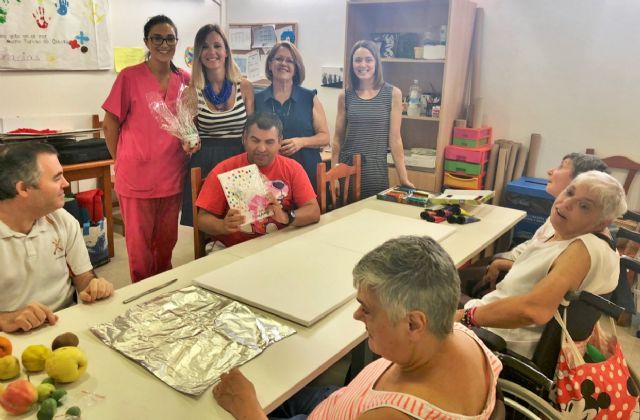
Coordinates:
<point>223,100</point>
<point>149,162</point>
<point>577,256</point>
<point>304,123</point>
<point>429,367</point>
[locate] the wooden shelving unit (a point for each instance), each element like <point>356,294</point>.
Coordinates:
<point>447,76</point>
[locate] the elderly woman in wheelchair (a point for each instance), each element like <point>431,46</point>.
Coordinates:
<point>579,256</point>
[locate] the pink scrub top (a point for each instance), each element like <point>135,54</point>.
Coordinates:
<point>150,162</point>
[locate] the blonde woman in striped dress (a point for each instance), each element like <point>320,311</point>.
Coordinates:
<point>368,121</point>
<point>223,100</point>
<point>430,367</point>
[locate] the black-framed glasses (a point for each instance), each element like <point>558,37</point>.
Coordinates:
<point>280,59</point>
<point>157,40</point>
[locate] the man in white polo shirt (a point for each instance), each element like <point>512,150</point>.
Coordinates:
<point>43,257</point>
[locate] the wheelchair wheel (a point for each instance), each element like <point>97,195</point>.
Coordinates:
<point>520,403</point>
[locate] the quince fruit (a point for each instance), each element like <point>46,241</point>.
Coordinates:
<point>9,367</point>
<point>5,347</point>
<point>18,396</point>
<point>66,364</point>
<point>33,357</point>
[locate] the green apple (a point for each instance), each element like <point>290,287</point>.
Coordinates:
<point>34,356</point>
<point>66,364</point>
<point>44,391</point>
<point>9,367</point>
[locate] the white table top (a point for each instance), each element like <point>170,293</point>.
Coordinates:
<point>132,393</point>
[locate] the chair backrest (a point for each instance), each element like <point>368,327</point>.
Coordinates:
<point>628,243</point>
<point>96,123</point>
<point>621,162</point>
<point>339,191</point>
<point>199,238</point>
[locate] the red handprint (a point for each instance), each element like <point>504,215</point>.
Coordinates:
<point>40,18</point>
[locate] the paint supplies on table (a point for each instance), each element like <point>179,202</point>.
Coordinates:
<point>463,197</point>
<point>406,195</point>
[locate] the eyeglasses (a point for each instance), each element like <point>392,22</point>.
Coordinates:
<point>157,40</point>
<point>280,59</point>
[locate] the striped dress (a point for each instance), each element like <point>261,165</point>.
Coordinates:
<point>367,133</point>
<point>359,396</point>
<point>221,137</point>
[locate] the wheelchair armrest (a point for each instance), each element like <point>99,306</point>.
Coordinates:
<point>524,372</point>
<point>493,341</point>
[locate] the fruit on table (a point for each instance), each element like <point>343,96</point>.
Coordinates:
<point>48,409</point>
<point>66,364</point>
<point>44,391</point>
<point>18,396</point>
<point>48,380</point>
<point>9,367</point>
<point>34,356</point>
<point>65,340</point>
<point>73,411</point>
<point>58,394</point>
<point>5,347</point>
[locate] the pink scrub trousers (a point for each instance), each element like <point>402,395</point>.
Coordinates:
<point>151,226</point>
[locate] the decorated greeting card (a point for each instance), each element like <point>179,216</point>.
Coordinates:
<point>245,191</point>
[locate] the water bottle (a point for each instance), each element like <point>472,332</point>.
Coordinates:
<point>414,100</point>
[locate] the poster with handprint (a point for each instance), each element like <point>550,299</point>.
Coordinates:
<point>54,35</point>
<point>245,191</point>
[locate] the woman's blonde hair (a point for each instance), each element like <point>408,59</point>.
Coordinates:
<point>198,75</point>
<point>299,75</point>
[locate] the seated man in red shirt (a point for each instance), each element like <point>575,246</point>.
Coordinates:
<point>292,198</point>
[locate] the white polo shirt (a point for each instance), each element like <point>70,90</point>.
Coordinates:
<point>37,266</point>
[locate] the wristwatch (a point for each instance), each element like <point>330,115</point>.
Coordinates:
<point>292,216</point>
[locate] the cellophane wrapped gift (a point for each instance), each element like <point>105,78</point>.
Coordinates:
<point>179,123</point>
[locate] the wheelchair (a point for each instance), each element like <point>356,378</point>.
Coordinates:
<point>525,384</point>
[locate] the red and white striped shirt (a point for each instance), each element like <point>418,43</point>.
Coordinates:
<point>359,396</point>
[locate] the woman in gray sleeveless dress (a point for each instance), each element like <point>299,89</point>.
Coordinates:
<point>368,121</point>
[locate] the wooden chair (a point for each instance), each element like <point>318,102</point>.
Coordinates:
<point>96,123</point>
<point>340,172</point>
<point>199,237</point>
<point>621,162</point>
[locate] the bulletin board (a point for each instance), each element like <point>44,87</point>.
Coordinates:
<point>54,35</point>
<point>251,43</point>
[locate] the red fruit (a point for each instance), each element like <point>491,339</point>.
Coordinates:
<point>5,346</point>
<point>18,396</point>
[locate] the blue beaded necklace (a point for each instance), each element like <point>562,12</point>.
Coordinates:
<point>220,99</point>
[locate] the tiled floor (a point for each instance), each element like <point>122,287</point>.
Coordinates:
<point>117,271</point>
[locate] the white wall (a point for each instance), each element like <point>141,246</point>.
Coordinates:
<point>41,93</point>
<point>565,69</point>
<point>321,26</point>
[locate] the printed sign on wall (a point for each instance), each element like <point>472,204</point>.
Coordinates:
<point>54,35</point>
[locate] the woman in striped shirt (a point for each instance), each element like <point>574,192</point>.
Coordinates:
<point>368,121</point>
<point>223,100</point>
<point>408,290</point>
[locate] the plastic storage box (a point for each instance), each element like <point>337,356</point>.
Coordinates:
<point>472,137</point>
<point>528,194</point>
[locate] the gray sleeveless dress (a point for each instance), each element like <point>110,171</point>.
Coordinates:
<point>367,133</point>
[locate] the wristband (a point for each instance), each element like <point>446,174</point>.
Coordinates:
<point>469,317</point>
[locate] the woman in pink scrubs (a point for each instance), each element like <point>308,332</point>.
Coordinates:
<point>150,163</point>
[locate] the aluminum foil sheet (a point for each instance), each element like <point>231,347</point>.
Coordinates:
<point>189,337</point>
